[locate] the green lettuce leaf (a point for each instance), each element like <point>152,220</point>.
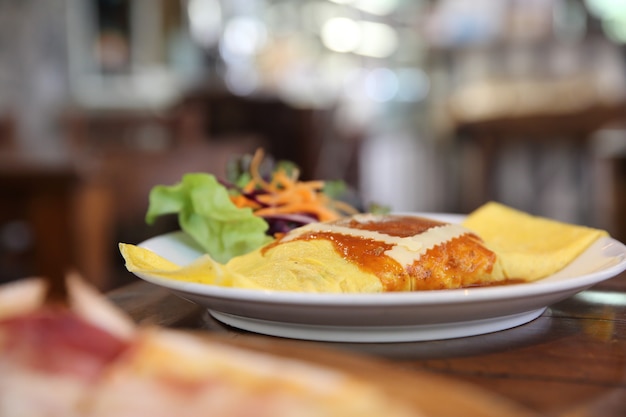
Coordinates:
<point>206,213</point>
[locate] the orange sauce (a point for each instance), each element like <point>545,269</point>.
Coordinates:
<point>399,226</point>
<point>457,263</point>
<point>368,254</point>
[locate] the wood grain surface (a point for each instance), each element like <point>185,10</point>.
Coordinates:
<point>433,395</point>
<point>571,361</point>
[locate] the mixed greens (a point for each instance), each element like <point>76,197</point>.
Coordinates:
<point>206,213</point>
<point>258,200</point>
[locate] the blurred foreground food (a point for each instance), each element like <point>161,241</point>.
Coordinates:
<point>87,359</point>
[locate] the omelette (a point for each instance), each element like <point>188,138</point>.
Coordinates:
<point>371,253</point>
<point>529,247</point>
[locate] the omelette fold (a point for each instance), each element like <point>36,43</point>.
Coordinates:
<point>384,253</point>
<point>529,247</point>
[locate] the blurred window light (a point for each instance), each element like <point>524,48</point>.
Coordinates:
<point>377,40</point>
<point>315,14</point>
<point>244,36</point>
<point>412,47</point>
<point>615,29</point>
<point>372,39</point>
<point>341,34</point>
<point>376,7</point>
<point>612,13</point>
<point>241,80</point>
<point>205,21</point>
<point>461,22</point>
<point>342,1</point>
<point>354,84</point>
<point>333,68</point>
<point>305,88</point>
<point>381,85</point>
<point>607,9</point>
<point>414,85</point>
<point>283,17</point>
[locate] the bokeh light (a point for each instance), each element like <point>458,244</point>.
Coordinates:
<point>381,84</point>
<point>341,34</point>
<point>243,36</point>
<point>205,21</point>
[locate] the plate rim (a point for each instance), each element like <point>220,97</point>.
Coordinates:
<point>388,333</point>
<point>463,295</point>
<point>460,307</point>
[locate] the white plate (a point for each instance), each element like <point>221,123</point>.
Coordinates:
<point>388,317</point>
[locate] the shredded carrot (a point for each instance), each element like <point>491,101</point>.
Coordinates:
<point>294,193</point>
<point>285,194</point>
<point>255,164</point>
<point>241,201</point>
<point>321,212</point>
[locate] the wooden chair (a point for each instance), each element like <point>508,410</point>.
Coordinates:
<point>489,137</point>
<point>118,167</point>
<point>35,213</point>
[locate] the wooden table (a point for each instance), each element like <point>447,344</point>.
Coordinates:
<point>571,361</point>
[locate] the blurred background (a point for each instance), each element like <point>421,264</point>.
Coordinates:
<point>420,105</point>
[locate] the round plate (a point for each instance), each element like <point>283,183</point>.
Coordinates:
<point>387,317</point>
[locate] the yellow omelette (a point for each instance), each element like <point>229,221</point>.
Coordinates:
<point>529,247</point>
<point>365,253</point>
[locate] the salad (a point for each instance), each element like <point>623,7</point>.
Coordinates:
<point>259,200</point>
